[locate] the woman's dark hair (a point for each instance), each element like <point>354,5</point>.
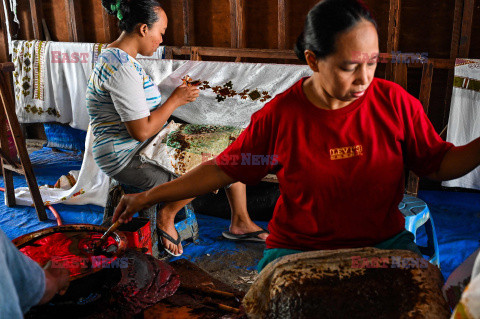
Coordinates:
<point>132,12</point>
<point>325,22</point>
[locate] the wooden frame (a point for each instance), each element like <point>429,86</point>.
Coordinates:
<point>282,24</point>
<point>3,34</point>
<point>188,23</point>
<point>10,165</point>
<point>36,11</point>
<point>237,23</point>
<point>74,21</point>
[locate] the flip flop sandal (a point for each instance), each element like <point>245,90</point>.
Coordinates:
<point>163,234</point>
<point>250,237</point>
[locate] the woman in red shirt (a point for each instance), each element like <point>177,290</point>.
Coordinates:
<point>338,142</point>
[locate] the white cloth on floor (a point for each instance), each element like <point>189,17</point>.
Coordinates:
<point>230,92</point>
<point>91,187</point>
<point>464,120</point>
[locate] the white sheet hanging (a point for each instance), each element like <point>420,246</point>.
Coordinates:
<point>230,92</point>
<point>464,120</point>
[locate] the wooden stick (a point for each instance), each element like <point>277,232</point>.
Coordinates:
<point>108,233</point>
<point>220,306</point>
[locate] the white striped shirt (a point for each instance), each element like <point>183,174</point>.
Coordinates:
<point>118,91</point>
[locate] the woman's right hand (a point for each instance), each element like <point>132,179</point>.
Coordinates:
<point>129,205</point>
<point>185,94</point>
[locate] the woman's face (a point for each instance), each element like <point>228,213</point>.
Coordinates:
<point>153,36</point>
<point>344,76</point>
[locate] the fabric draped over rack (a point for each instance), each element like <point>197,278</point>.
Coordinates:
<point>464,123</point>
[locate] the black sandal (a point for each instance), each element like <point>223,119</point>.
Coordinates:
<point>176,242</point>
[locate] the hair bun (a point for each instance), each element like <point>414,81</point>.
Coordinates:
<point>108,4</point>
<point>300,48</point>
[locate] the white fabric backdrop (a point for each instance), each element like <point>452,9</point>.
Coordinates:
<point>464,120</point>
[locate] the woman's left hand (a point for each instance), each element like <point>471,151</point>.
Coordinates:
<point>128,206</point>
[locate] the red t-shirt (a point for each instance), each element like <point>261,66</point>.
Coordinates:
<point>341,172</point>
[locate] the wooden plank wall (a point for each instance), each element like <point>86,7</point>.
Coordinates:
<point>442,29</point>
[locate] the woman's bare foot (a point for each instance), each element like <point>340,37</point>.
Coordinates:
<point>165,222</point>
<point>241,228</point>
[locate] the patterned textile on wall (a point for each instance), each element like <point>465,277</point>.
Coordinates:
<point>463,123</point>
<point>178,148</point>
<point>230,92</point>
<point>29,80</point>
<point>51,80</point>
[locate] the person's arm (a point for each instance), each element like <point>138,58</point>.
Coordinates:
<point>201,180</point>
<point>144,128</point>
<point>458,161</point>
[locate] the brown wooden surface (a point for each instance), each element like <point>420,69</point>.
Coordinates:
<point>237,23</point>
<point>188,23</point>
<point>36,11</point>
<point>192,299</point>
<point>393,33</point>
<point>282,24</point>
<point>74,21</point>
<point>426,85</point>
<point>7,110</point>
<point>3,36</point>
<point>456,28</point>
<point>107,27</point>
<point>464,45</point>
<point>234,52</point>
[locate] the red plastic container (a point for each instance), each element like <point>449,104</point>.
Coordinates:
<point>138,234</point>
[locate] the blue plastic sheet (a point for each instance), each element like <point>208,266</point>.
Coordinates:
<point>48,166</point>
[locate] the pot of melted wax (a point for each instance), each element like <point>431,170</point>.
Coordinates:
<point>72,247</point>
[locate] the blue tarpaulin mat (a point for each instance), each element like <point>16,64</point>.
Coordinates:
<point>48,166</point>
<point>456,216</point>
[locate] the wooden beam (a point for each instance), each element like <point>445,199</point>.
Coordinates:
<point>107,29</point>
<point>465,37</point>
<point>36,11</point>
<point>459,32</point>
<point>237,23</point>
<point>393,33</point>
<point>235,52</point>
<point>426,85</point>
<point>282,24</point>
<point>457,27</point>
<point>7,67</point>
<point>233,24</point>
<point>290,55</point>
<point>188,23</point>
<point>74,20</point>
<point>241,24</point>
<point>400,74</point>
<point>3,34</point>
